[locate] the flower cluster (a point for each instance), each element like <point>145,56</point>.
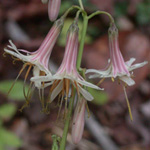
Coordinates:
<point>68,82</point>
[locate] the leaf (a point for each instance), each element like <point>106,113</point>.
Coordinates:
<point>8,138</point>
<point>100,97</point>
<point>16,92</point>
<point>7,111</point>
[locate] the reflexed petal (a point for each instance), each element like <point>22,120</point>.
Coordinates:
<point>129,81</point>
<point>13,53</point>
<point>85,94</point>
<point>139,65</point>
<point>130,62</point>
<point>94,76</point>
<point>56,91</point>
<point>36,72</point>
<point>88,84</point>
<point>42,78</point>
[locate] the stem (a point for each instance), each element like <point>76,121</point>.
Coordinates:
<point>81,4</point>
<point>83,34</point>
<point>67,122</point>
<point>102,12</point>
<point>70,9</point>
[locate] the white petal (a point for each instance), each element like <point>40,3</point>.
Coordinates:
<point>85,94</point>
<point>88,84</point>
<point>129,81</point>
<point>139,65</point>
<point>12,53</point>
<point>42,78</point>
<point>36,72</point>
<point>56,91</point>
<point>130,62</point>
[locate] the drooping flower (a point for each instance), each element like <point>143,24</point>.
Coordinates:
<point>117,67</point>
<point>78,121</point>
<point>53,9</point>
<point>67,74</point>
<point>39,59</point>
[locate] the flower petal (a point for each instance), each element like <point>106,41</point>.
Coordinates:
<point>129,81</point>
<point>56,91</point>
<point>130,62</point>
<point>139,65</point>
<point>88,84</point>
<point>85,94</point>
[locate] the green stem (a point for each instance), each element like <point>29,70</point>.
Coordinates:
<point>102,12</point>
<point>83,34</point>
<point>70,9</point>
<point>67,123</point>
<point>81,4</point>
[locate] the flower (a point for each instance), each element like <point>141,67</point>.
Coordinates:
<point>53,9</point>
<point>78,121</point>
<point>39,59</point>
<point>117,67</point>
<point>67,73</point>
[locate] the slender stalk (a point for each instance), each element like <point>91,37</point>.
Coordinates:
<point>83,35</point>
<point>70,9</point>
<point>67,123</point>
<point>101,12</point>
<point>81,4</point>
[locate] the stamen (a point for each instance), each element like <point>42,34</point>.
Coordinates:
<point>28,97</point>
<point>4,54</point>
<point>60,107</point>
<point>22,69</point>
<point>100,81</point>
<point>112,79</point>
<point>63,89</point>
<point>67,87</point>
<point>28,71</point>
<point>127,100</point>
<point>56,82</point>
<point>88,110</point>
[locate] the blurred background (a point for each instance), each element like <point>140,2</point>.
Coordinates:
<point>109,127</point>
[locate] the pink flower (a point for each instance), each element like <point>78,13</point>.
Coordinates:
<point>39,59</point>
<point>78,121</point>
<point>117,67</point>
<point>67,74</point>
<point>53,9</point>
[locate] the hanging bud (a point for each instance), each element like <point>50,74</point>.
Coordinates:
<point>53,9</point>
<point>78,122</point>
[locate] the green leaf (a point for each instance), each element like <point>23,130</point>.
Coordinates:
<point>16,92</point>
<point>7,111</point>
<point>8,138</point>
<point>100,97</point>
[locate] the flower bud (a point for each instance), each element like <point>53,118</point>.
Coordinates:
<point>78,122</point>
<point>53,9</point>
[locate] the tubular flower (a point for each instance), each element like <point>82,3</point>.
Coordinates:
<point>53,9</point>
<point>117,67</point>
<point>78,121</point>
<point>39,59</point>
<point>67,73</point>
